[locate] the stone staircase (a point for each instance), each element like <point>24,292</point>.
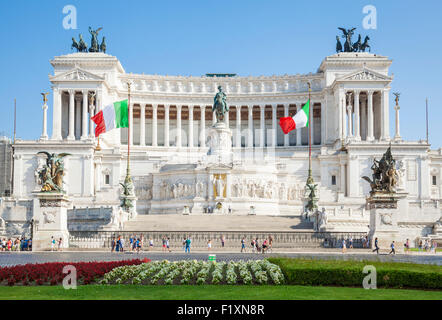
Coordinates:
<point>219,223</point>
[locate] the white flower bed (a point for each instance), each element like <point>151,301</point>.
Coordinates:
<point>197,272</point>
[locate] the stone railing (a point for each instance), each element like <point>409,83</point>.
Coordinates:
<point>281,240</point>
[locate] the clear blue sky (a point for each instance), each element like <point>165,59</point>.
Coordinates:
<point>248,37</point>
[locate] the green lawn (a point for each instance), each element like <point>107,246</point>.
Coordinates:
<point>124,292</point>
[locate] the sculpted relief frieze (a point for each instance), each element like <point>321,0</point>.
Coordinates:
<point>261,189</point>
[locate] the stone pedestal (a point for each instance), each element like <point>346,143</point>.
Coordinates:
<point>51,221</point>
<point>220,143</point>
<point>384,215</point>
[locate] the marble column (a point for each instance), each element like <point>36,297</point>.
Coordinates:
<point>44,134</point>
<point>71,135</point>
<point>84,115</point>
<point>56,114</point>
<point>190,144</point>
<point>357,116</point>
<point>238,126</point>
<point>154,125</point>
<point>323,120</point>
<point>364,119</point>
<point>286,136</point>
<point>178,126</point>
<point>131,123</point>
<point>166,125</point>
<point>250,129</point>
<point>370,120</point>
<point>385,120</point>
<point>262,126</point>
<point>203,126</point>
<point>91,123</point>
<point>274,128</point>
<point>78,117</point>
<point>298,131</point>
<point>349,115</point>
<point>142,124</point>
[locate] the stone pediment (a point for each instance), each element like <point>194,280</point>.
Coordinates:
<point>76,74</point>
<point>365,75</point>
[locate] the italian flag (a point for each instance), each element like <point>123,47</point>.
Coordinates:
<point>300,120</point>
<point>110,117</point>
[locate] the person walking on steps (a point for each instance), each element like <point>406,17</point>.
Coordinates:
<point>376,247</point>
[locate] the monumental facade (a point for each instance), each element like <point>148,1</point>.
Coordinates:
<point>174,171</point>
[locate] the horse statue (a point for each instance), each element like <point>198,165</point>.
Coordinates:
<point>347,34</point>
<point>338,45</point>
<point>82,46</point>
<point>357,45</point>
<point>365,44</point>
<point>94,41</point>
<point>220,105</point>
<point>103,45</point>
<point>75,45</point>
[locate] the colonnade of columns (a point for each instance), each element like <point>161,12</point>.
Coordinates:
<point>77,122</point>
<point>251,134</point>
<point>362,117</point>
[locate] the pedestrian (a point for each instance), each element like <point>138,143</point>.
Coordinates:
<point>52,243</point>
<point>376,247</point>
<point>264,246</point>
<point>184,244</point>
<point>150,244</point>
<point>420,246</point>
<point>243,244</point>
<point>134,245</point>
<point>223,240</point>
<point>392,248</point>
<point>113,244</point>
<point>407,246</point>
<point>187,245</point>
<point>253,244</point>
<point>60,242</point>
<point>270,246</point>
<point>258,248</point>
<point>121,244</point>
<point>138,245</point>
<point>163,244</point>
<point>168,244</point>
<point>209,245</point>
<point>344,246</point>
<point>350,242</point>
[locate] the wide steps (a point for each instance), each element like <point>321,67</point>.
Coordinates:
<point>212,222</point>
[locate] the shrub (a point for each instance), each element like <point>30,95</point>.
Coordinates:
<point>349,273</point>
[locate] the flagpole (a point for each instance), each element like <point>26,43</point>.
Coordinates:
<point>426,112</point>
<point>15,117</point>
<point>128,132</point>
<point>310,177</point>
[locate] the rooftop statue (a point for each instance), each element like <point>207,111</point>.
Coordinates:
<point>349,46</point>
<point>220,105</point>
<point>51,175</point>
<point>94,41</point>
<point>384,177</point>
<point>81,45</point>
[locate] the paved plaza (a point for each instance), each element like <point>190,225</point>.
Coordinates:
<point>8,259</point>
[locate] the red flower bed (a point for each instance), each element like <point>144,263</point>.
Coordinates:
<point>52,273</point>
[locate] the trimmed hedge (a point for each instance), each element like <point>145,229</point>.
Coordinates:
<point>349,273</point>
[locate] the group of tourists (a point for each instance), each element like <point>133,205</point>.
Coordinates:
<point>56,244</point>
<point>135,244</point>
<point>19,244</point>
<point>258,246</point>
<point>429,246</point>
